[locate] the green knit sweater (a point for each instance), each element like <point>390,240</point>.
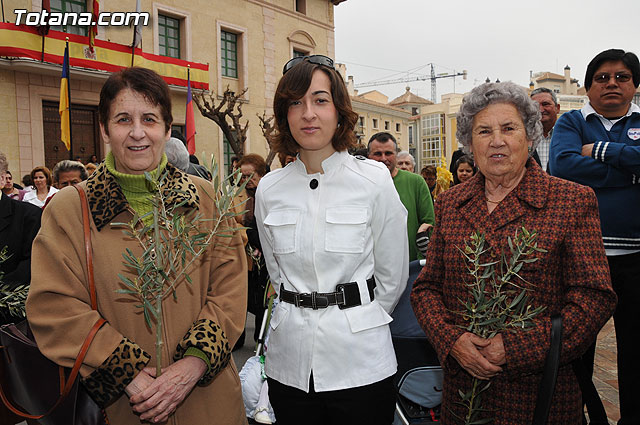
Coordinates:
<point>135,187</point>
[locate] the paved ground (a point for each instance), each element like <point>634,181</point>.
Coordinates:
<point>605,376</point>
<point>241,355</point>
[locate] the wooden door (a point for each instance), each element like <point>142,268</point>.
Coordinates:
<point>84,133</point>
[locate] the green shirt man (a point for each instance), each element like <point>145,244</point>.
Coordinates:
<point>412,189</point>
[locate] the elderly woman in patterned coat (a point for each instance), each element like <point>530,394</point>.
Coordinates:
<point>500,126</point>
<point>199,383</point>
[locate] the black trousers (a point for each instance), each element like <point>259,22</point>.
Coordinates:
<point>625,276</point>
<point>372,404</point>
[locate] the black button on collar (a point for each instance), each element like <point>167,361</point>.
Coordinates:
<point>313,184</point>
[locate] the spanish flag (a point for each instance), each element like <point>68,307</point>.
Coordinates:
<point>65,123</point>
<point>190,120</point>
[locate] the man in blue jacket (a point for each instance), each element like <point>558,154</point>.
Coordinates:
<point>599,146</point>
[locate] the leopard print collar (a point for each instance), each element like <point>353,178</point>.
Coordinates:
<point>106,199</point>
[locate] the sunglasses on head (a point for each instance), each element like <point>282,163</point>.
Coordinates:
<point>315,59</point>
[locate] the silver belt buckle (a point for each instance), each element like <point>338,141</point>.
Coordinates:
<point>297,298</point>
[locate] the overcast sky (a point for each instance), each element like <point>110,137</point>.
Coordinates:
<point>505,39</point>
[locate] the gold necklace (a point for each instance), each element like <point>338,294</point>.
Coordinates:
<point>492,202</point>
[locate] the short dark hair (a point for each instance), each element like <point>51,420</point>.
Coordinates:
<point>545,90</point>
<point>292,86</point>
<point>258,162</point>
<point>141,80</point>
<point>69,165</point>
<point>44,170</point>
<point>629,59</point>
<point>429,170</point>
<point>382,137</point>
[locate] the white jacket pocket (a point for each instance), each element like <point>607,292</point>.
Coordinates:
<point>280,312</point>
<point>367,316</point>
<point>345,229</point>
<point>282,226</point>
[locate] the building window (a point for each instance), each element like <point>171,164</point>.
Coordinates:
<point>397,127</point>
<point>301,6</point>
<point>375,123</point>
<point>414,111</point>
<point>229,54</point>
<point>410,135</point>
<point>169,36</point>
<point>636,98</point>
<point>361,121</point>
<point>171,31</point>
<point>180,128</point>
<point>386,125</point>
<point>70,6</point>
<point>431,151</point>
<point>301,43</point>
<point>432,124</point>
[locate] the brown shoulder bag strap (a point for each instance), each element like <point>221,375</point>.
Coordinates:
<point>66,388</point>
<point>86,225</point>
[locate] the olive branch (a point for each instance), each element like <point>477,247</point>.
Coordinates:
<point>12,300</point>
<point>172,242</point>
<point>499,301</point>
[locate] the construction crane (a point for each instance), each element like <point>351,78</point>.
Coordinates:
<point>433,77</point>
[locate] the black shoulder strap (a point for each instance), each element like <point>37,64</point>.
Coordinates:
<point>590,396</point>
<point>550,374</point>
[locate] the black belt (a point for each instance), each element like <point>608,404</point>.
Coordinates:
<point>346,295</point>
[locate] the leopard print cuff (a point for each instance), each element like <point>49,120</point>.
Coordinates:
<point>207,336</point>
<point>109,380</point>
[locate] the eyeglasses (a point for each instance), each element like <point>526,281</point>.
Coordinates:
<point>316,59</point>
<point>604,77</point>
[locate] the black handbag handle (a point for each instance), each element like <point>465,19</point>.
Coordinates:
<point>550,374</point>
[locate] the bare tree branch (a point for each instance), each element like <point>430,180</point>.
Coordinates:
<point>266,124</point>
<point>226,114</point>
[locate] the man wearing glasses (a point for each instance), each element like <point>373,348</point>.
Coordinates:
<point>599,146</point>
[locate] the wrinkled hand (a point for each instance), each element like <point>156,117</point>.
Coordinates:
<point>587,149</point>
<point>466,352</point>
<point>424,227</point>
<point>494,352</point>
<point>139,383</point>
<point>160,399</point>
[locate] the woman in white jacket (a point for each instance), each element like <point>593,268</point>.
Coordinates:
<point>333,233</point>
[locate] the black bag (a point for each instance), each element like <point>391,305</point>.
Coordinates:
<point>50,393</point>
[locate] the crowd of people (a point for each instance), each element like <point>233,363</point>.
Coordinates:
<point>333,233</point>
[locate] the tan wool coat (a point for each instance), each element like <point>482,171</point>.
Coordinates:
<point>208,314</point>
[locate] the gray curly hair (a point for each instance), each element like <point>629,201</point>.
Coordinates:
<point>490,93</point>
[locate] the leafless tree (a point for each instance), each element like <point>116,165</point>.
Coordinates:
<point>266,124</point>
<point>226,114</point>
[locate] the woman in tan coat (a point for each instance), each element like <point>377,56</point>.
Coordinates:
<point>199,383</point>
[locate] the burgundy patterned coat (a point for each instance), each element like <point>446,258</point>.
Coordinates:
<point>572,277</point>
